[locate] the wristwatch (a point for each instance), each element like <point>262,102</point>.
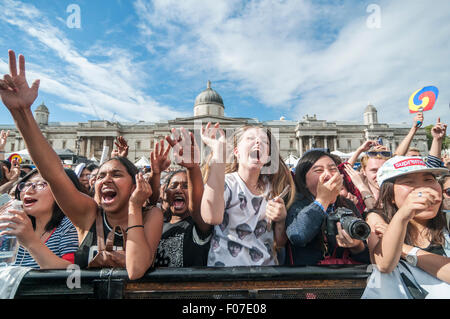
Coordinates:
<point>411,258</point>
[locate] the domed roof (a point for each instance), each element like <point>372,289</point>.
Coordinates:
<point>42,108</point>
<point>370,108</point>
<point>208,96</point>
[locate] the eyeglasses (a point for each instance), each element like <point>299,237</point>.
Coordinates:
<point>34,186</point>
<point>447,191</point>
<point>382,153</point>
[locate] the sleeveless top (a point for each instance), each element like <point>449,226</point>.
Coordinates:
<point>89,247</point>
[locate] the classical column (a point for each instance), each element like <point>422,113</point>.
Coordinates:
<point>300,146</point>
<point>335,143</point>
<point>17,144</point>
<point>325,142</point>
<point>88,148</point>
<point>310,142</point>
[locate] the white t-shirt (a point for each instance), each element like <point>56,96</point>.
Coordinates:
<point>242,239</point>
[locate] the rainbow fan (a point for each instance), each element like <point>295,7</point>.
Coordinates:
<point>423,99</point>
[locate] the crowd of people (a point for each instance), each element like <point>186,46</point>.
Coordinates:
<point>242,207</point>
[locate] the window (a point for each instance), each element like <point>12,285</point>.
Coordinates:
<point>291,144</point>
<point>12,147</point>
<point>64,145</point>
<point>349,144</point>
<point>138,145</point>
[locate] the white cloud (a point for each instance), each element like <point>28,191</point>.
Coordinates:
<point>309,58</point>
<point>114,86</point>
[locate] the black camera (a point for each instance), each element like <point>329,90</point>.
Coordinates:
<point>354,226</point>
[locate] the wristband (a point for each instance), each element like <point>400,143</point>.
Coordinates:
<point>368,196</point>
<point>133,227</point>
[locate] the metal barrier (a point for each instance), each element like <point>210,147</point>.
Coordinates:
<point>309,282</point>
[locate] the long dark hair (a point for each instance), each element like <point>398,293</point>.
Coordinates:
<point>57,213</point>
<point>387,208</point>
<point>304,165</point>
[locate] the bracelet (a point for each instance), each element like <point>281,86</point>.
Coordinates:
<point>368,196</point>
<point>133,227</point>
<point>2,151</point>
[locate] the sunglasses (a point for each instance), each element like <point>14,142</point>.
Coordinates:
<point>382,153</point>
<point>447,191</point>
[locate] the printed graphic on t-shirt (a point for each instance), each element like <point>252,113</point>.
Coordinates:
<point>170,251</point>
<point>234,248</point>
<point>242,239</point>
<point>243,230</point>
<point>256,202</point>
<point>243,200</point>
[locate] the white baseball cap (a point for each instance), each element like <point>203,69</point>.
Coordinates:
<point>404,165</point>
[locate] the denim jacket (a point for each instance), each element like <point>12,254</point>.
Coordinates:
<point>304,229</point>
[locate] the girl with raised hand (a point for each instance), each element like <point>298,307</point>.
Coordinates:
<point>186,237</point>
<point>47,238</point>
<point>248,215</point>
<point>118,191</point>
<point>410,243</point>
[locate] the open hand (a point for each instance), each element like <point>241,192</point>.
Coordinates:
<point>14,173</point>
<point>185,149</point>
<point>122,148</point>
<point>3,138</point>
<point>142,191</point>
<point>217,146</point>
<point>159,158</point>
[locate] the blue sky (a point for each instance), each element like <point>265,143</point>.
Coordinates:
<point>147,60</point>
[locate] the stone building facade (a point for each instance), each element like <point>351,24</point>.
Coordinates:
<point>295,137</point>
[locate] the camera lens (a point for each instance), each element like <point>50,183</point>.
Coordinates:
<point>359,229</point>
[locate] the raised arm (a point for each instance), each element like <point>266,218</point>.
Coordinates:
<point>142,241</point>
<point>160,161</point>
<point>363,148</point>
<point>402,149</point>
<point>18,98</point>
<point>438,132</point>
<point>187,154</point>
<point>213,206</point>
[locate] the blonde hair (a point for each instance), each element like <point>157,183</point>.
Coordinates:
<point>279,180</point>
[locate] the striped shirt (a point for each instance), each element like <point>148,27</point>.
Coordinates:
<point>433,161</point>
<point>63,242</point>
